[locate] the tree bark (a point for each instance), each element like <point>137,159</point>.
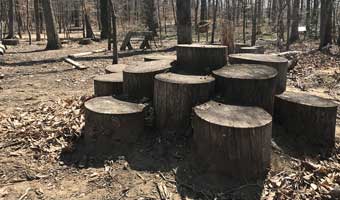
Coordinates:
<point>53,41</point>
<point>11,5</point>
<point>104,19</point>
<point>37,19</point>
<point>294,35</point>
<point>203,10</point>
<point>184,32</point>
<point>326,23</point>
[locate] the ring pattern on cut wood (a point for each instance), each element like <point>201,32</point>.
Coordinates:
<point>279,63</point>
<point>201,59</point>
<point>108,84</point>
<point>309,119</point>
<point>175,95</point>
<point>247,85</point>
<point>110,120</point>
<point>139,79</point>
<point>117,68</point>
<point>232,140</point>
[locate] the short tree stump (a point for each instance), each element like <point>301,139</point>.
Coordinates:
<point>309,119</point>
<point>139,79</point>
<point>253,49</point>
<point>108,84</point>
<point>232,140</point>
<point>109,120</point>
<point>247,85</point>
<point>279,63</point>
<point>150,58</point>
<point>200,59</point>
<point>175,95</point>
<point>238,46</point>
<point>10,42</point>
<point>117,68</point>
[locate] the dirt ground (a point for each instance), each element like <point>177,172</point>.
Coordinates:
<point>41,100</point>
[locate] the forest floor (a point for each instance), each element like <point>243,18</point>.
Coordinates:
<point>41,117</point>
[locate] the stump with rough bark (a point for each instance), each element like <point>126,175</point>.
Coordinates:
<point>238,46</point>
<point>253,49</point>
<point>10,42</point>
<point>150,58</point>
<point>309,119</point>
<point>175,95</point>
<point>139,79</point>
<point>247,85</point>
<point>279,63</point>
<point>201,59</point>
<point>232,140</point>
<point>108,84</point>
<point>108,120</point>
<point>117,68</point>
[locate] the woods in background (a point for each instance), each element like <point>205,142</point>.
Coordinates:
<point>277,20</point>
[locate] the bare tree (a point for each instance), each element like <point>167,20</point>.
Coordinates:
<point>184,32</point>
<point>53,41</point>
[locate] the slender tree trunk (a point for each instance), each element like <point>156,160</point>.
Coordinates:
<point>308,16</point>
<point>150,15</point>
<point>104,19</point>
<point>203,10</point>
<point>184,32</point>
<point>294,35</point>
<point>214,22</point>
<point>114,32</point>
<point>53,41</point>
<point>254,23</point>
<point>315,17</point>
<point>11,4</point>
<point>326,23</point>
<point>174,11</point>
<point>28,22</point>
<point>37,19</point>
<point>289,8</point>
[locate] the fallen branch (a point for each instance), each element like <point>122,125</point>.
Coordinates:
<point>75,64</point>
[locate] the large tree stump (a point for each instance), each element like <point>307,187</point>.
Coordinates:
<point>309,119</point>
<point>200,59</point>
<point>108,120</point>
<point>253,49</point>
<point>10,42</point>
<point>117,68</point>
<point>279,63</point>
<point>139,80</point>
<point>238,46</point>
<point>175,95</point>
<point>157,57</point>
<point>108,84</point>
<point>247,85</point>
<point>232,140</point>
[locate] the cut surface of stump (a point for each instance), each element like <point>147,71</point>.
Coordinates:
<point>238,46</point>
<point>174,97</point>
<point>200,59</point>
<point>247,85</point>
<point>118,68</point>
<point>232,140</point>
<point>253,49</point>
<point>108,121</point>
<point>309,119</point>
<point>10,42</point>
<point>108,84</point>
<point>279,63</point>
<point>139,79</point>
<point>149,58</point>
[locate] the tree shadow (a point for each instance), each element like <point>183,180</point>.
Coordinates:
<point>26,52</point>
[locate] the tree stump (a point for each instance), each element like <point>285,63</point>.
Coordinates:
<point>108,84</point>
<point>247,85</point>
<point>279,63</point>
<point>309,119</point>
<point>10,42</point>
<point>175,95</point>
<point>118,68</point>
<point>232,140</point>
<point>238,46</point>
<point>85,41</point>
<point>139,80</point>
<point>110,120</point>
<point>159,57</point>
<point>200,59</point>
<point>253,49</point>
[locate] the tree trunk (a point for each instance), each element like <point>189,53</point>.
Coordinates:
<point>184,33</point>
<point>104,19</point>
<point>326,22</point>
<point>114,33</point>
<point>203,10</point>
<point>308,16</point>
<point>53,41</point>
<point>150,15</point>
<point>294,35</point>
<point>289,7</point>
<point>11,12</point>
<point>214,22</point>
<point>254,23</point>
<point>37,19</point>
